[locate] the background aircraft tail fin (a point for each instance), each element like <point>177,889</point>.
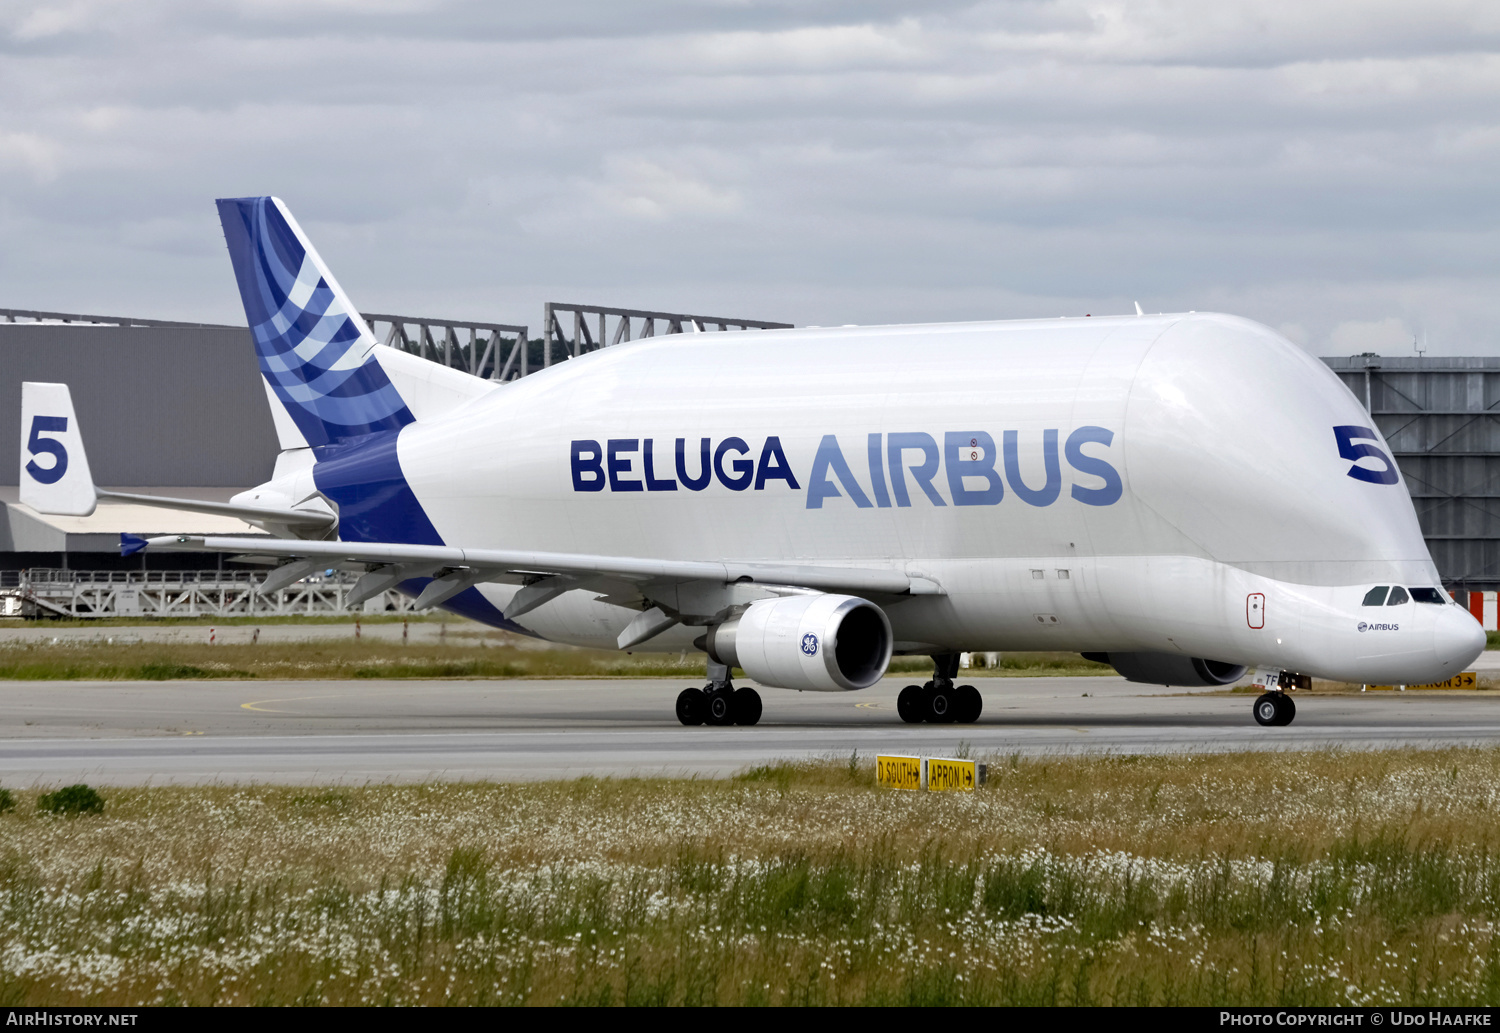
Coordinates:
<point>55,475</point>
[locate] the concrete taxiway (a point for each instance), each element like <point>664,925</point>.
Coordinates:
<point>358,731</point>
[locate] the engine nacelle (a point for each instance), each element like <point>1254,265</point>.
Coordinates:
<point>829,643</point>
<point>1169,668</point>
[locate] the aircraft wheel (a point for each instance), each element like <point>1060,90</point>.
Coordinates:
<point>942,705</point>
<point>1268,709</point>
<point>970,704</point>
<point>909,705</point>
<point>1288,709</point>
<point>720,709</point>
<point>746,706</point>
<point>691,706</point>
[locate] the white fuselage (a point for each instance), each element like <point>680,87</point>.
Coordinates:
<point>1196,468</point>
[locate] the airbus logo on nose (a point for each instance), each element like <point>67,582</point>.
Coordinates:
<point>1378,627</point>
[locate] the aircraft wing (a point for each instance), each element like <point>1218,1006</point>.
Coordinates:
<point>545,574</point>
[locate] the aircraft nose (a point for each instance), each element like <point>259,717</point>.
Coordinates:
<point>1457,638</point>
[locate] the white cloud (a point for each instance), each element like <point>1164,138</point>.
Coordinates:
<point>1382,336</point>
<point>1294,332</point>
<point>35,155</point>
<point>51,20</point>
<point>1324,165</point>
<point>639,187</point>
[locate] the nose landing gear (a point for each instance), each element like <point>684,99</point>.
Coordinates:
<point>939,701</point>
<point>1274,707</point>
<point>718,702</point>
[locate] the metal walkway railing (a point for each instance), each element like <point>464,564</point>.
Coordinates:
<point>178,593</point>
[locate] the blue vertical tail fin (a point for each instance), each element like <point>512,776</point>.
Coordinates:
<point>316,354</point>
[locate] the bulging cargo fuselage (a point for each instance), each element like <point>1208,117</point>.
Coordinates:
<point>1191,484</point>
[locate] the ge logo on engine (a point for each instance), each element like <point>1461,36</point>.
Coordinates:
<point>810,644</point>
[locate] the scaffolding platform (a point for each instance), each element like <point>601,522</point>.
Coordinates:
<point>84,594</point>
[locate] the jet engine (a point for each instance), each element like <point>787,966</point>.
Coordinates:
<point>828,643</point>
<point>1169,668</point>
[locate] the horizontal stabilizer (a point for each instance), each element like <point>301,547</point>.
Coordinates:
<point>55,476</point>
<point>297,518</point>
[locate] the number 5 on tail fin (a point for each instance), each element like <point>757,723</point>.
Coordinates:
<point>55,475</point>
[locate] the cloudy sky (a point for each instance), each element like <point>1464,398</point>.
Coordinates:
<point>1329,167</point>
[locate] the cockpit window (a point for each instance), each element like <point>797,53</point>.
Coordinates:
<point>1398,596</point>
<point>1376,596</point>
<point>1428,595</point>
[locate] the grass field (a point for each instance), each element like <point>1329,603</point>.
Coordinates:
<point>1292,878</point>
<point>466,655</point>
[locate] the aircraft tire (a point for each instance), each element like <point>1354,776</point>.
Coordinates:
<point>1268,709</point>
<point>746,706</point>
<point>942,705</point>
<point>970,704</point>
<point>1288,709</point>
<point>719,708</point>
<point>910,705</point>
<point>691,706</point>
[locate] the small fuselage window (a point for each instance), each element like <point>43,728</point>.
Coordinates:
<point>1428,595</point>
<point>1376,596</point>
<point>1398,596</point>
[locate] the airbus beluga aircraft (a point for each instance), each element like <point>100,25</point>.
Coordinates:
<point>1182,496</point>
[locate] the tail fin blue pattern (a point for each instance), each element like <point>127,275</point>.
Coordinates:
<point>314,349</point>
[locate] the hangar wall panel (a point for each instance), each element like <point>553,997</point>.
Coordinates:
<point>1441,416</point>
<point>158,405</point>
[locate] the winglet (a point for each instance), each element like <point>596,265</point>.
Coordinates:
<point>55,475</point>
<point>131,544</point>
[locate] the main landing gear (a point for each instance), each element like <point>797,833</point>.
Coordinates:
<point>718,702</point>
<point>939,701</point>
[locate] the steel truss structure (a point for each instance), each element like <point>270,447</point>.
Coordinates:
<point>26,315</point>
<point>584,340</point>
<point>179,593</point>
<point>494,351</point>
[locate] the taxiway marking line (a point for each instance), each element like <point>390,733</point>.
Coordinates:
<point>256,704</point>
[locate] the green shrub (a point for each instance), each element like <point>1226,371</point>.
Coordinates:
<point>7,801</point>
<point>71,801</point>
